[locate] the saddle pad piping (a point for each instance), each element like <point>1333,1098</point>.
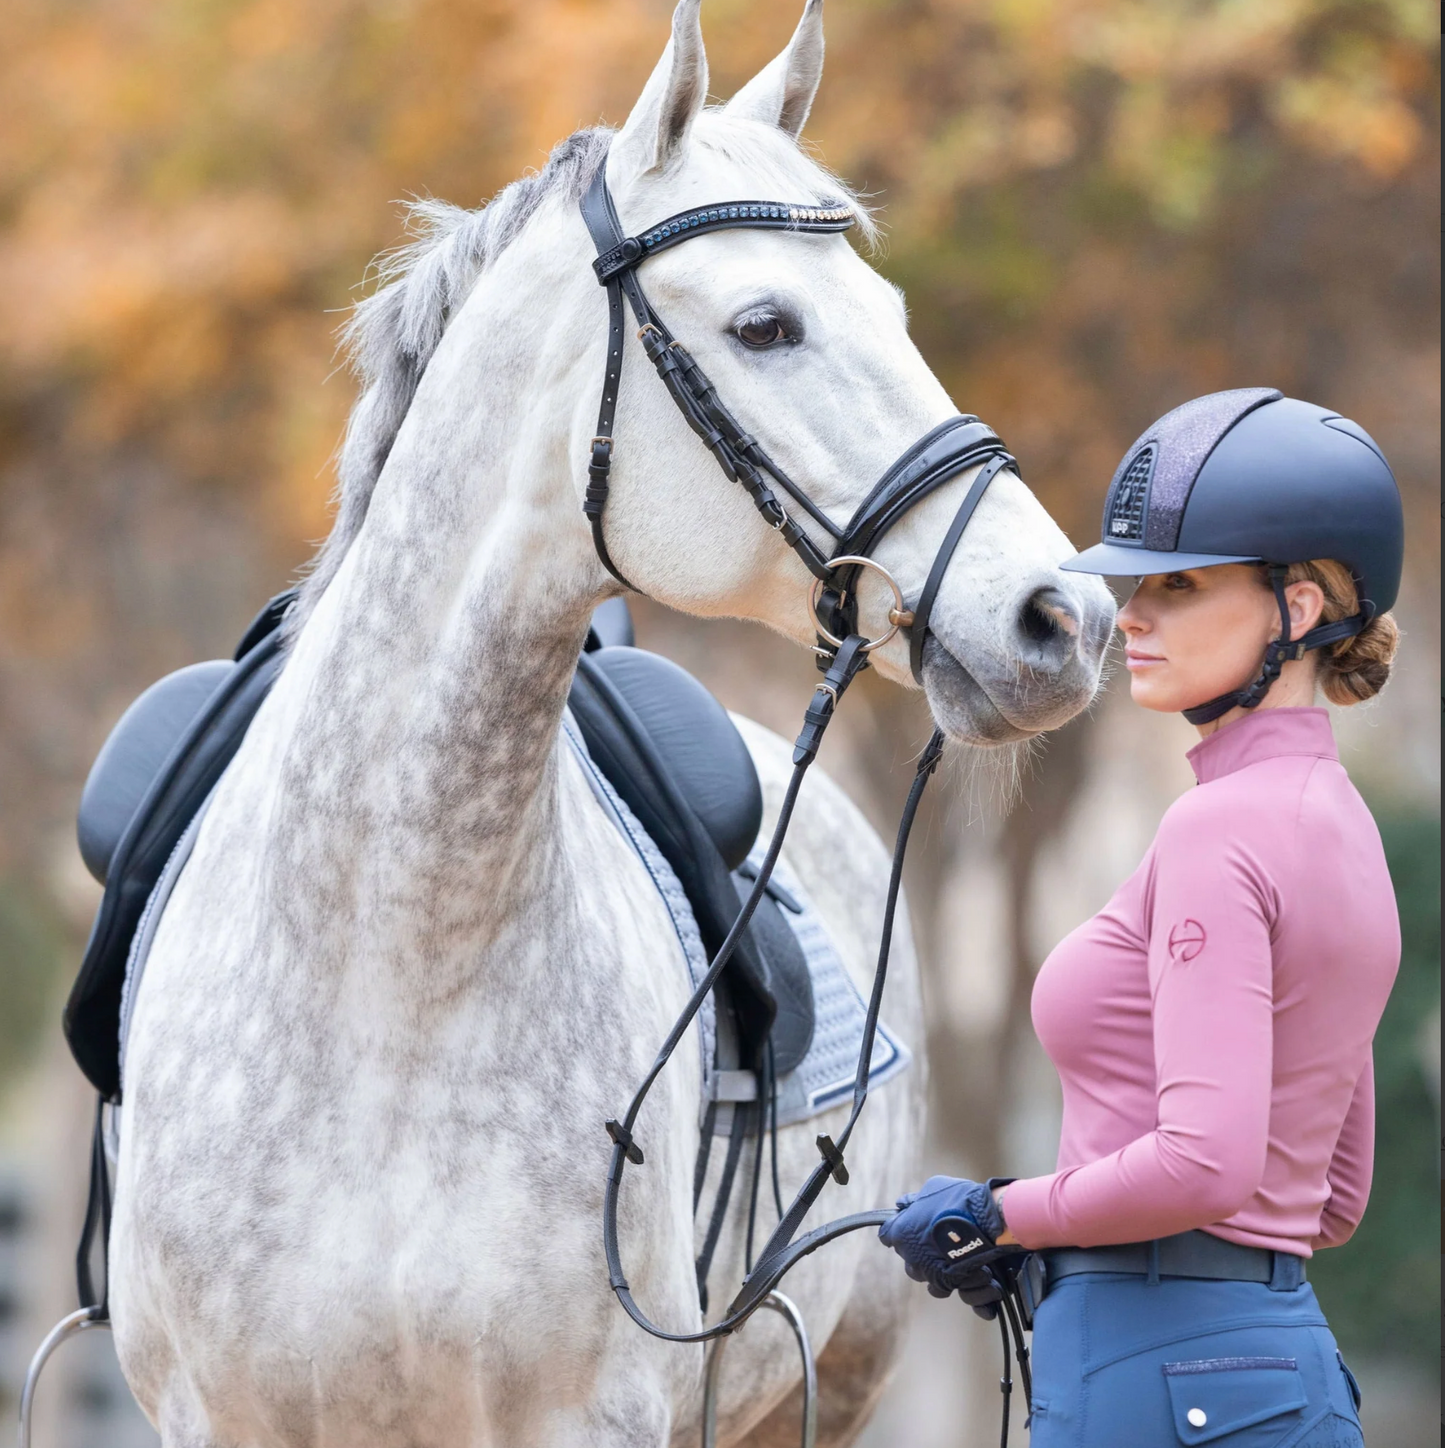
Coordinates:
<point>668,886</point>
<point>145,931</point>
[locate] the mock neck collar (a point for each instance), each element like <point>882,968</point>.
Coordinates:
<point>1263,734</point>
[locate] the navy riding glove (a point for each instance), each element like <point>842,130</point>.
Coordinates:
<point>946,1234</point>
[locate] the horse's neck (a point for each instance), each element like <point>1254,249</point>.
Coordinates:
<point>415,742</point>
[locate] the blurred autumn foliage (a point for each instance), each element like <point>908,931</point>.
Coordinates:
<point>1097,207</point>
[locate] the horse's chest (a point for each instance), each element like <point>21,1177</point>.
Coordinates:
<point>376,1248</point>
<point>341,1174</point>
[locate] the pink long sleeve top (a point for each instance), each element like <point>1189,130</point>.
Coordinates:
<point>1212,1025</point>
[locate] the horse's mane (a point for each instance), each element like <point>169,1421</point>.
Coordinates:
<point>393,333</point>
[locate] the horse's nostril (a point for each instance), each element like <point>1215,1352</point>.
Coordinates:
<point>1049,616</point>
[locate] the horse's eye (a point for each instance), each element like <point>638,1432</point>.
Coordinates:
<point>761,332</point>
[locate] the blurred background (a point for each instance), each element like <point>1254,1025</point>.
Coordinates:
<point>1098,208</point>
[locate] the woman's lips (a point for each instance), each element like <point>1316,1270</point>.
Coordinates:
<point>1141,661</point>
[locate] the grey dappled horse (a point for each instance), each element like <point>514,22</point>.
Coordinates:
<point>411,966</point>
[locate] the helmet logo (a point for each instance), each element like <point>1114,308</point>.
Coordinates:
<point>1126,508</point>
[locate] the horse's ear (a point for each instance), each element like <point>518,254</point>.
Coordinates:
<point>670,101</point>
<point>782,92</point>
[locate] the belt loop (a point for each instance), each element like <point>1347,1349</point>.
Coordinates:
<point>1286,1274</point>
<point>1033,1285</point>
<point>1153,1278</point>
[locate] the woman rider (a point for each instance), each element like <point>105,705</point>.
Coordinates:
<point>1212,1025</point>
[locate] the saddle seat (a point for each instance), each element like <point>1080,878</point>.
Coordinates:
<point>665,744</point>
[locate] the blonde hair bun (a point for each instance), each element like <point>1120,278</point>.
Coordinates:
<point>1354,669</point>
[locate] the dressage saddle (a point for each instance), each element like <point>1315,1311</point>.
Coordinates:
<point>663,741</point>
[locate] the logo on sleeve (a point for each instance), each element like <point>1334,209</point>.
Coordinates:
<point>1186,940</point>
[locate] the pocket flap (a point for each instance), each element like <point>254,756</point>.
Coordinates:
<point>1214,1396</point>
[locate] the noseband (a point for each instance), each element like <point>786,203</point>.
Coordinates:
<point>960,443</point>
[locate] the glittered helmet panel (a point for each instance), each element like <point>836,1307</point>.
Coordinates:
<point>1151,487</point>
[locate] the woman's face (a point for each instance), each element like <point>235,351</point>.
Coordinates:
<point>1192,636</point>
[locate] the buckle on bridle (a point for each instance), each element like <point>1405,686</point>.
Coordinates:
<point>774,514</point>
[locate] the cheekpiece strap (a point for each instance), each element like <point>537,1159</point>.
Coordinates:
<point>626,253</point>
<point>600,216</point>
<point>738,453</point>
<point>923,609</point>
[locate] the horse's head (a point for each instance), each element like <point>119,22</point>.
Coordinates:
<point>808,347</point>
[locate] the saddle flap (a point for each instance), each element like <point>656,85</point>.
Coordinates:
<point>697,743</point>
<point>133,754</point>
<point>200,748</point>
<point>788,979</point>
<point>672,753</point>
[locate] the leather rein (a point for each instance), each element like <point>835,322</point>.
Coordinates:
<point>960,443</point>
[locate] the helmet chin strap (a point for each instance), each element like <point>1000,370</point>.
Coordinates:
<point>1280,650</point>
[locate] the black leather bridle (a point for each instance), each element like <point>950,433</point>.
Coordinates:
<point>954,446</point>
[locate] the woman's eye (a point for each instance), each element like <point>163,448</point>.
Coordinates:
<point>1178,583</point>
<point>761,332</point>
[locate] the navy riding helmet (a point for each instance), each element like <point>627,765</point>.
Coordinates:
<point>1252,476</point>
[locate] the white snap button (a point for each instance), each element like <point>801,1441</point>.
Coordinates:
<point>1197,1417</point>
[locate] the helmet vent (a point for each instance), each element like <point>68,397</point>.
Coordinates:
<point>1126,509</point>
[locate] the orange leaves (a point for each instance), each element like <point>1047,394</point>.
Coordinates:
<point>191,192</point>
<point>190,189</point>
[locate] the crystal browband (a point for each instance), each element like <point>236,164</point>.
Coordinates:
<point>763,215</point>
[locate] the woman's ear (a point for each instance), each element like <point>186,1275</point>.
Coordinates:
<point>1306,605</point>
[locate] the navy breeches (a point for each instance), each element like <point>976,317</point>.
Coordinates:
<point>1120,1362</point>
